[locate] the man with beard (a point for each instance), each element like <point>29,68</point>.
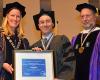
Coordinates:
<point>87,45</point>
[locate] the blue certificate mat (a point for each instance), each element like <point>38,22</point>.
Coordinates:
<point>33,67</point>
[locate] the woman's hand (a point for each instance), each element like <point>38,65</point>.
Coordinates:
<point>36,49</point>
<point>8,67</point>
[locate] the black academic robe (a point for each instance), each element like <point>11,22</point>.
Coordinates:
<point>83,60</point>
<point>1,50</point>
<point>8,55</point>
<point>62,50</point>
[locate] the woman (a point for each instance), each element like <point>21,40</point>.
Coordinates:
<point>13,36</point>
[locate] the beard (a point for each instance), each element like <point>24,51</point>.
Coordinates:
<point>88,25</point>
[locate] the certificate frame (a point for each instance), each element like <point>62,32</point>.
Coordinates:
<point>25,70</point>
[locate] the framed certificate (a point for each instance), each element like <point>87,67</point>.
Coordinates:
<point>30,65</point>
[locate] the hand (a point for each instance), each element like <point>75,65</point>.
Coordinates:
<point>36,49</point>
<point>8,67</point>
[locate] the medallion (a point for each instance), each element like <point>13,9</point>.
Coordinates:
<point>81,49</point>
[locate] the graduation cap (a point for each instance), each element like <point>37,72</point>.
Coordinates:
<point>42,12</point>
<point>86,5</point>
<point>16,5</point>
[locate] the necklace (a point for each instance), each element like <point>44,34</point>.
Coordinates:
<point>11,42</point>
<point>81,49</point>
<point>45,47</point>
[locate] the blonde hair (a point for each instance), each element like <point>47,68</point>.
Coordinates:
<point>7,30</point>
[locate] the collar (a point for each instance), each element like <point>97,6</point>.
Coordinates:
<point>86,31</point>
<point>48,36</point>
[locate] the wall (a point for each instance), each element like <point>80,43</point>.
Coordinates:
<point>32,7</point>
<point>66,15</point>
<point>68,18</point>
<point>1,12</point>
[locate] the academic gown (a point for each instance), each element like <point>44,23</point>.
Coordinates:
<point>8,57</point>
<point>1,50</point>
<point>62,50</point>
<point>87,63</point>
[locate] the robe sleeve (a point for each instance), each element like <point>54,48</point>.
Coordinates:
<point>69,58</point>
<point>94,73</point>
<point>73,40</point>
<point>2,51</point>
